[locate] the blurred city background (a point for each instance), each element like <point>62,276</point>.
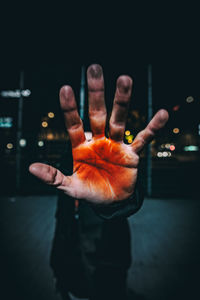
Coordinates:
<point>32,127</point>
<point>43,48</point>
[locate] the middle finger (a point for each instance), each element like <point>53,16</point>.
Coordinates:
<point>97,108</point>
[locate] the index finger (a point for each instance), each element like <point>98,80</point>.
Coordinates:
<point>72,119</point>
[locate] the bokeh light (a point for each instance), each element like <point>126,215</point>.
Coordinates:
<point>44,124</point>
<point>40,143</point>
<point>127,132</point>
<point>176,130</point>
<point>130,140</point>
<point>22,143</point>
<point>189,99</point>
<point>9,146</point>
<point>172,147</point>
<point>176,107</point>
<point>50,136</point>
<point>51,115</point>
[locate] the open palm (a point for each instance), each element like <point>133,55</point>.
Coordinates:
<point>104,169</point>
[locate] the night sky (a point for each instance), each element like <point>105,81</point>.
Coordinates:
<point>52,43</point>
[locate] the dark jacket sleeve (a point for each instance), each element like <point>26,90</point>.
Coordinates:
<point>122,209</point>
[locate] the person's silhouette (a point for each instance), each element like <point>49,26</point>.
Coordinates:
<point>98,191</point>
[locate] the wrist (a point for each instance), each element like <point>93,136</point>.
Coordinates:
<point>120,209</point>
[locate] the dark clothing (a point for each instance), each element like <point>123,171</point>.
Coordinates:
<point>90,255</point>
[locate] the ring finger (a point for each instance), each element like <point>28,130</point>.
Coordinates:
<point>120,108</point>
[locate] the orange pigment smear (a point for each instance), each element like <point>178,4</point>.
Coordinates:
<point>104,166</point>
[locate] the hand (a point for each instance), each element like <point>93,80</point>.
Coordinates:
<point>104,169</point>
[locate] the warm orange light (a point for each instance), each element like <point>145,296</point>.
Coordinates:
<point>44,124</point>
<point>130,140</point>
<point>127,132</point>
<point>51,115</point>
<point>176,130</point>
<point>50,136</point>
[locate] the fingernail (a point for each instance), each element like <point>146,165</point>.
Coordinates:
<point>124,84</point>
<point>95,71</point>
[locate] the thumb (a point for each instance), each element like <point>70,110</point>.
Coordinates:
<point>50,175</point>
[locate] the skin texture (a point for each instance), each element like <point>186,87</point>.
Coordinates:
<point>107,168</point>
<point>104,169</point>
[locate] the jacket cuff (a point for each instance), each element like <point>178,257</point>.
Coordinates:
<point>122,209</point>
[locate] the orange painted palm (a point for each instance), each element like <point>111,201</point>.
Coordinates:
<point>104,169</point>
